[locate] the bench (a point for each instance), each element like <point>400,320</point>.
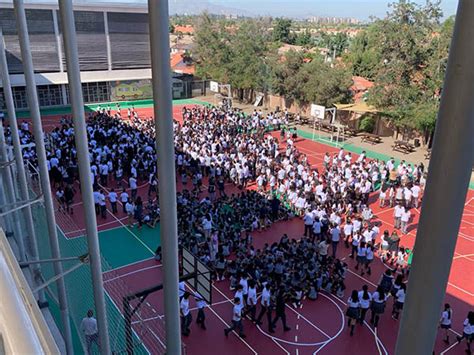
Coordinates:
<point>352,132</point>
<point>428,154</point>
<point>403,146</point>
<point>371,138</point>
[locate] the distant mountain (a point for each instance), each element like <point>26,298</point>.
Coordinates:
<point>198,6</point>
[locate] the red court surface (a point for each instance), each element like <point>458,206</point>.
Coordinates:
<point>319,327</point>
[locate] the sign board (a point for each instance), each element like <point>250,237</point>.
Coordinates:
<point>128,90</point>
<point>258,100</point>
<point>214,86</point>
<point>318,111</point>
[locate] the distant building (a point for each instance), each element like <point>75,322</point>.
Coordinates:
<point>184,29</point>
<point>114,52</point>
<point>360,87</point>
<point>333,20</point>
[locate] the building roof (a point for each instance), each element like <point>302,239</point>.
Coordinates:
<point>179,66</point>
<point>184,29</point>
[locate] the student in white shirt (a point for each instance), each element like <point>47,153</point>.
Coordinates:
<point>397,215</point>
<point>200,304</point>
<point>404,219</point>
<point>133,187</point>
<point>186,317</point>
<point>124,199</point>
<point>415,190</point>
<point>446,321</point>
<point>353,310</point>
<point>89,328</point>
<point>265,308</point>
<point>236,318</point>
<point>252,299</point>
<point>365,298</point>
<point>468,331</point>
<point>399,301</point>
<point>308,224</point>
<point>113,200</point>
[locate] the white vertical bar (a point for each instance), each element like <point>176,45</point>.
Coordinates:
<point>42,165</point>
<point>107,41</point>
<point>443,202</point>
<point>58,40</point>
<point>75,93</point>
<point>163,109</point>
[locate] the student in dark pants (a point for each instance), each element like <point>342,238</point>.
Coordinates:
<point>236,319</point>
<point>280,308</point>
<point>186,317</point>
<point>200,304</point>
<point>266,308</point>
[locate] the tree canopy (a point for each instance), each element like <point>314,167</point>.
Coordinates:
<point>405,54</point>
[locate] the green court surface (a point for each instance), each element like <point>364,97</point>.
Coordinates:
<point>122,245</point>
<point>119,246</point>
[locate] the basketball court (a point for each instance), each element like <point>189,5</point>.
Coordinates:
<point>318,327</point>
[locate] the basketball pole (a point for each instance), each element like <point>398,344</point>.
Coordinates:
<point>163,110</point>
<point>446,188</point>
<point>80,136</point>
<point>33,105</point>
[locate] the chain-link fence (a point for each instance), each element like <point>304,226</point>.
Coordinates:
<point>148,337</point>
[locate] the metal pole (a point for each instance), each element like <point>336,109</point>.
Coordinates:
<point>42,165</point>
<point>78,115</point>
<point>10,194</point>
<point>163,110</point>
<point>445,194</point>
<point>20,165</point>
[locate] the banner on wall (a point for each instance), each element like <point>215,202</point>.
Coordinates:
<point>131,90</point>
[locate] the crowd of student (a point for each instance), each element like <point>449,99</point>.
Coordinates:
<point>218,147</point>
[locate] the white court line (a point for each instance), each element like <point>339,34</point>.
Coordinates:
<point>468,201</point>
<point>463,256</point>
<point>367,325</point>
<point>121,314</point>
<point>161,316</point>
<point>360,277</point>
<point>226,324</point>
<point>383,211</point>
<point>446,350</point>
<point>132,273</point>
<point>124,266</point>
<point>461,289</point>
<point>309,322</point>
<point>343,323</point>
<point>132,233</point>
<point>282,347</point>
<point>98,226</point>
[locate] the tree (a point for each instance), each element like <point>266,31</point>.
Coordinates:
<point>282,31</point>
<point>247,68</point>
<point>323,84</point>
<point>412,49</point>
<point>284,75</point>
<point>171,28</point>
<point>338,42</point>
<point>213,50</point>
<point>364,55</point>
<point>304,39</point>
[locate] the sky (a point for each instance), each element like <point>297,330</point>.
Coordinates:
<point>361,9</point>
